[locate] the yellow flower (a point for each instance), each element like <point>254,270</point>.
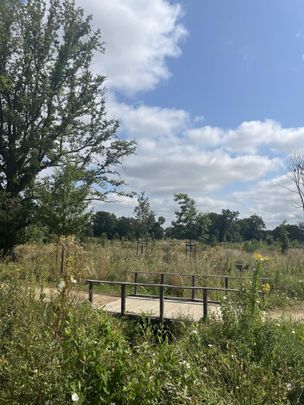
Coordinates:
<point>265,288</point>
<point>259,258</point>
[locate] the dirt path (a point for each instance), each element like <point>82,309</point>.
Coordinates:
<point>292,313</point>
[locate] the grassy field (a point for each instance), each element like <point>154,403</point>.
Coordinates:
<point>64,351</point>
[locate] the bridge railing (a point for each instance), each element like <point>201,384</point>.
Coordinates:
<point>194,278</point>
<point>161,296</point>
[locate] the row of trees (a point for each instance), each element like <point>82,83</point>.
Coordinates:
<point>189,223</point>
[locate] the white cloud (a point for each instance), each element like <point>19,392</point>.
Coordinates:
<point>139,36</point>
<point>173,155</point>
<point>275,200</point>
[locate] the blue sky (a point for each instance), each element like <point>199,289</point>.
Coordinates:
<point>213,93</point>
<point>242,60</point>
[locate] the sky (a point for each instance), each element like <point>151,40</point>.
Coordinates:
<point>212,91</point>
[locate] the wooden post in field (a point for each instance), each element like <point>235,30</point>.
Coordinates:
<point>191,249</point>
<point>62,260</point>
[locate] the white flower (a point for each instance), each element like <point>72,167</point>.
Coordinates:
<point>194,332</point>
<point>288,386</point>
<point>293,332</point>
<point>73,281</point>
<point>210,345</point>
<point>61,285</point>
<point>205,369</point>
<point>75,397</point>
<point>224,297</point>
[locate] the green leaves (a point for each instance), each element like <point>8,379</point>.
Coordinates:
<point>52,106</point>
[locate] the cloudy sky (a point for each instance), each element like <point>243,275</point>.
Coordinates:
<point>213,93</point>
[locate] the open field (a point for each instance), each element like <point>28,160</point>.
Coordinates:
<point>55,345</point>
<point>114,260</point>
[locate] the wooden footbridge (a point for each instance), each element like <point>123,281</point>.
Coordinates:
<point>197,303</point>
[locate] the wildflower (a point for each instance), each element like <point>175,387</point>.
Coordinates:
<point>224,297</point>
<point>186,364</point>
<point>288,387</point>
<point>73,281</point>
<point>259,258</point>
<point>75,397</point>
<point>61,285</point>
<point>293,332</point>
<point>205,369</point>
<point>210,345</point>
<point>265,288</point>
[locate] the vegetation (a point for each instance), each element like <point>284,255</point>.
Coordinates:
<point>52,108</point>
<point>55,347</point>
<point>64,350</point>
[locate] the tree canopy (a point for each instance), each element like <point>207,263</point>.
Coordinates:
<point>52,107</point>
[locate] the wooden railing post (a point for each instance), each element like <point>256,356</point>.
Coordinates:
<point>226,280</point>
<point>161,302</point>
<point>205,303</point>
<point>135,281</point>
<point>193,289</point>
<point>162,278</point>
<point>123,299</point>
<point>91,292</point>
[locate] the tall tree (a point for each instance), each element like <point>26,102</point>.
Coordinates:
<point>52,106</point>
<point>189,223</point>
<point>296,174</point>
<point>104,223</point>
<point>144,216</point>
<point>227,222</point>
<point>252,227</point>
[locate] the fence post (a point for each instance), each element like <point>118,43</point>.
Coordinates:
<point>62,260</point>
<point>162,278</point>
<point>226,283</point>
<point>193,285</point>
<point>135,281</point>
<point>123,299</point>
<point>205,303</point>
<point>161,302</point>
<point>91,292</point>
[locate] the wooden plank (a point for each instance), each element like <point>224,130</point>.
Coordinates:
<point>172,309</point>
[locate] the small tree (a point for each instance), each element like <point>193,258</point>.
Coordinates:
<point>283,237</point>
<point>144,217</point>
<point>63,202</point>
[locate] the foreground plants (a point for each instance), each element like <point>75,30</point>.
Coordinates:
<point>64,352</point>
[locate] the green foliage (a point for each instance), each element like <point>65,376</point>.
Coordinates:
<point>53,350</point>
<point>189,223</point>
<point>62,202</point>
<point>283,238</point>
<point>52,106</point>
<point>144,217</point>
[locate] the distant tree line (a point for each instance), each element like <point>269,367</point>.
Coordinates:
<point>189,223</point>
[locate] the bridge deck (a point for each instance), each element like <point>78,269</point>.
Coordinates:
<point>172,309</point>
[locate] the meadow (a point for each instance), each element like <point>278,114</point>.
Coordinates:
<point>64,351</point>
